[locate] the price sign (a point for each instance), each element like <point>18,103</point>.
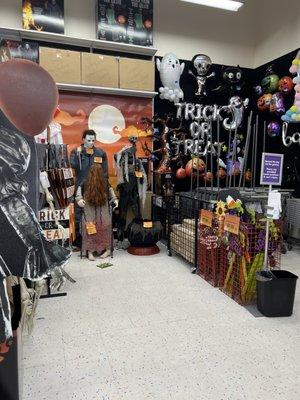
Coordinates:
<point>232,224</point>
<point>206,218</point>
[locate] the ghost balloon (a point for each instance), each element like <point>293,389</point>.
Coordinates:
<point>170,71</point>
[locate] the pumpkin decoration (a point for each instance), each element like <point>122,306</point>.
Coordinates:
<point>286,85</point>
<point>221,173</point>
<point>236,171</point>
<point>248,176</point>
<point>194,164</point>
<point>263,103</point>
<point>208,177</point>
<point>180,173</point>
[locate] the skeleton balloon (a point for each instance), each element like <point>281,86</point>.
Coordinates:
<point>170,71</point>
<point>202,64</point>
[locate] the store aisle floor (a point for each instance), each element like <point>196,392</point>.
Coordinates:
<point>147,328</point>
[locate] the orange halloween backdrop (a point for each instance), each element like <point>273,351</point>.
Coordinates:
<point>113,118</point>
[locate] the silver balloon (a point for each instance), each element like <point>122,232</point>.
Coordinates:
<point>289,140</point>
<point>237,108</point>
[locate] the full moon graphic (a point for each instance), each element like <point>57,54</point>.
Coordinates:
<point>107,121</point>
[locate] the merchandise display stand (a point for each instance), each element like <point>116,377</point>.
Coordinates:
<point>49,294</point>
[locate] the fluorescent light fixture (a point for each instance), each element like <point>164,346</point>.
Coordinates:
<point>231,5</point>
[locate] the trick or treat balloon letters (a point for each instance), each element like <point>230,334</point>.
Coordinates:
<point>201,116</point>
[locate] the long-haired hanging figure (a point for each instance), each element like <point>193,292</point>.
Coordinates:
<point>94,197</point>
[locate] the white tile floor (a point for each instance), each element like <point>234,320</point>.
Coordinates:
<point>147,328</point>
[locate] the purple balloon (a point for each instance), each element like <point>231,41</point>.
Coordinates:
<point>274,129</point>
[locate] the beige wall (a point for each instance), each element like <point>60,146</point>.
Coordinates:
<point>188,29</point>
<point>258,33</point>
<point>278,30</point>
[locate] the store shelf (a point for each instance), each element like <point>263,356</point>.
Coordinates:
<point>106,90</point>
<point>20,34</point>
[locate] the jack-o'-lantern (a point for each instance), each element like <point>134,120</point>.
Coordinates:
<point>263,103</point>
<point>221,173</point>
<point>248,176</point>
<point>194,164</point>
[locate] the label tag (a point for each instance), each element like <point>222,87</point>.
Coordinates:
<point>44,180</point>
<point>89,151</point>
<point>206,218</point>
<point>148,224</point>
<point>98,160</point>
<point>138,174</point>
<point>91,228</point>
<point>232,224</point>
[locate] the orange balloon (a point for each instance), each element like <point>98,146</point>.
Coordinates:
<point>28,95</point>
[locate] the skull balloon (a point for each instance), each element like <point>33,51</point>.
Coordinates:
<point>202,64</point>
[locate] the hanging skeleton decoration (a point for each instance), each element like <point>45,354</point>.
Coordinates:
<point>202,64</point>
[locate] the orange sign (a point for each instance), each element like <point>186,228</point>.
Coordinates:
<point>148,224</point>
<point>206,218</point>
<point>232,224</point>
<point>138,174</point>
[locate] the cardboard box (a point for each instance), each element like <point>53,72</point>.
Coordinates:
<point>63,65</point>
<point>136,74</point>
<point>99,70</point>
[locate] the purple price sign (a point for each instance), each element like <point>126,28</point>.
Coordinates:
<point>271,169</point>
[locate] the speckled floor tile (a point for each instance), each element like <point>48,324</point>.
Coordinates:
<point>148,329</point>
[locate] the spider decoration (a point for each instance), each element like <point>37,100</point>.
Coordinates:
<point>233,80</point>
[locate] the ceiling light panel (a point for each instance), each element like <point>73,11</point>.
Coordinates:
<point>231,5</point>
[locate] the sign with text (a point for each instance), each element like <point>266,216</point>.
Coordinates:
<point>206,218</point>
<point>271,169</point>
<point>47,220</point>
<point>126,21</point>
<point>232,224</point>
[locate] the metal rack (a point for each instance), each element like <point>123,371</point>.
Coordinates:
<point>293,221</point>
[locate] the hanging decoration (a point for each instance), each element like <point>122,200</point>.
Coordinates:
<point>263,103</point>
<point>170,71</point>
<point>202,64</point>
<point>270,82</point>
<point>277,103</point>
<point>285,85</point>
<point>237,107</point>
<point>233,81</point>
<point>273,129</point>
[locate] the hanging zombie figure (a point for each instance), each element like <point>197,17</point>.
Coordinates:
<point>202,64</point>
<point>132,184</point>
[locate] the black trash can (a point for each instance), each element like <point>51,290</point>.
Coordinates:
<point>276,294</point>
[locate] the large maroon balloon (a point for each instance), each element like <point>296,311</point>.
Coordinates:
<point>28,95</point>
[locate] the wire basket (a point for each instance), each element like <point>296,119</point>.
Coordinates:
<point>243,256</point>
